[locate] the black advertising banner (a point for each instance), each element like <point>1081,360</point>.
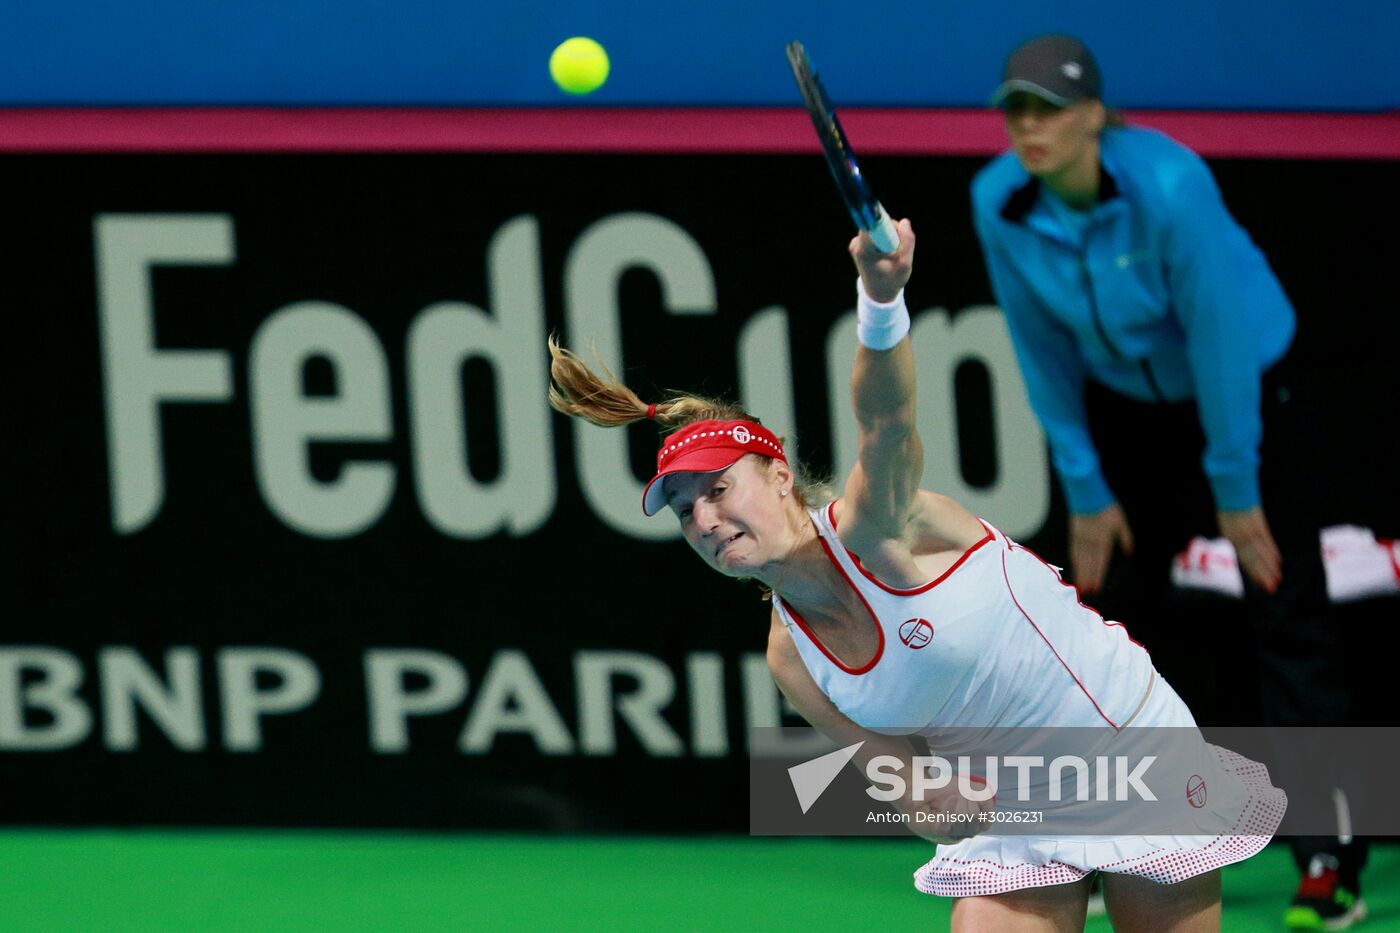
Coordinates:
<point>293,538</point>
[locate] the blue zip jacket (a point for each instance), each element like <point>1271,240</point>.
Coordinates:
<point>1167,299</point>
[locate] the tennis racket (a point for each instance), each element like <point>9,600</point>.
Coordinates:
<point>868,213</point>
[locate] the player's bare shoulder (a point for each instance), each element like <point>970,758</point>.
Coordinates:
<point>937,532</point>
<point>936,523</point>
<point>939,523</point>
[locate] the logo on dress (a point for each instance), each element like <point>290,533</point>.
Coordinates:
<point>1196,791</point>
<point>916,633</point>
<point>742,435</point>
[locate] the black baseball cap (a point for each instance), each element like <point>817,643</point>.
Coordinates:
<point>1058,68</point>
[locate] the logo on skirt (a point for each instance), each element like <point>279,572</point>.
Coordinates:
<point>1196,791</point>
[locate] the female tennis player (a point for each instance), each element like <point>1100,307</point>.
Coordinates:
<point>894,605</point>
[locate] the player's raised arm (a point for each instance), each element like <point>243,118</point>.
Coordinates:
<point>881,490</point>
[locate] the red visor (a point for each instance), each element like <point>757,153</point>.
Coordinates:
<point>704,447</point>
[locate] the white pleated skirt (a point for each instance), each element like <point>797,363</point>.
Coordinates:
<point>1252,808</point>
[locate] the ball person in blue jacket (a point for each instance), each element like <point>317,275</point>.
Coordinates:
<point>1153,335</point>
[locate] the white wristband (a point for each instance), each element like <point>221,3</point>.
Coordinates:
<point>882,325</point>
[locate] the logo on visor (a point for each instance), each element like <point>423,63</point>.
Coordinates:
<point>741,434</point>
<point>916,633</point>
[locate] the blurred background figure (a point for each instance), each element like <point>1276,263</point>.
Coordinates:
<point>1156,344</point>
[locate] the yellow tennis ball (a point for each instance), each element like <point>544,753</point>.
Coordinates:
<point>579,65</point>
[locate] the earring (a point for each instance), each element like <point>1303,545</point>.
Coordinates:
<point>783,492</point>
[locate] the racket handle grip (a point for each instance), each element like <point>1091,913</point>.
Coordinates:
<point>883,234</point>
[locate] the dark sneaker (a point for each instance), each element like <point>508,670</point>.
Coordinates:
<point>1322,903</point>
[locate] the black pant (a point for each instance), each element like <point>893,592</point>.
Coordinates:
<point>1277,659</point>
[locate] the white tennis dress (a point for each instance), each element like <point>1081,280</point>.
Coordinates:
<point>999,640</point>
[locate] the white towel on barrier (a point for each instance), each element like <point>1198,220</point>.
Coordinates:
<point>1357,565</point>
<point>1209,564</point>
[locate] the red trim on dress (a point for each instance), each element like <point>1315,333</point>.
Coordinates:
<point>812,636</point>
<point>896,591</point>
<point>1048,644</point>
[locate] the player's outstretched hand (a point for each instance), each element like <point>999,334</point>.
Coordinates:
<point>1255,549</point>
<point>884,275</point>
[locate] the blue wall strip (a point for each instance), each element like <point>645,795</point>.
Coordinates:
<point>1169,54</point>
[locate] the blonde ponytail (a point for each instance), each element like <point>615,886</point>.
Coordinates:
<point>576,389</point>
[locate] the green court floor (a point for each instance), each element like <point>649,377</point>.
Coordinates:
<point>302,881</point>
